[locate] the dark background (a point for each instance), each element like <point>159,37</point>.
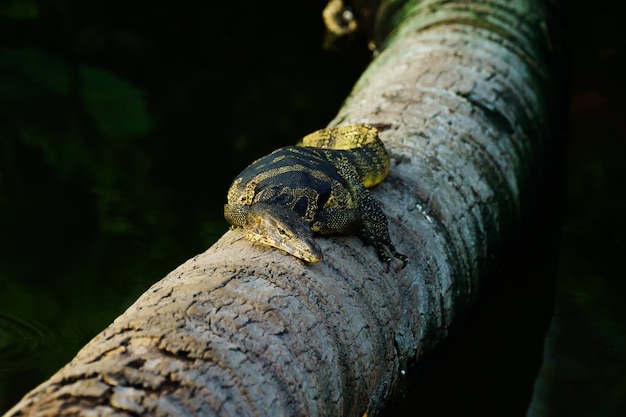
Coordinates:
<point>121,128</point>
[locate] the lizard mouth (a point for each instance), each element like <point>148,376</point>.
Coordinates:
<point>307,250</point>
<point>282,228</point>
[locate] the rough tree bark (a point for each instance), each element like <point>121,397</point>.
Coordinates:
<point>243,330</point>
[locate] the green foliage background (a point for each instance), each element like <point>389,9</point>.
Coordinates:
<point>121,127</point>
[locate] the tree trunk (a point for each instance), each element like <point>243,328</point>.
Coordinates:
<point>244,330</point>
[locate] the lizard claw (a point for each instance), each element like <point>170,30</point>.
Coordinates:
<point>388,260</point>
<point>396,255</point>
<point>403,258</point>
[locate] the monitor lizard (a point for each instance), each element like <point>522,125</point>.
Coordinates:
<point>318,186</point>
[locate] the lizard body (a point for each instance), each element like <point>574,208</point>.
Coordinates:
<point>318,186</point>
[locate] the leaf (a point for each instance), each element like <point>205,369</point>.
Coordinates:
<point>28,72</point>
<point>115,105</point>
<point>20,10</point>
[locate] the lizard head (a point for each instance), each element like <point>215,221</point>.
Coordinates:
<point>280,227</point>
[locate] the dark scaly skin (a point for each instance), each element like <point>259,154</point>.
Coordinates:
<point>318,186</point>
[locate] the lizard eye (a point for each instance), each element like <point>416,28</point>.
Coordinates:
<point>282,231</point>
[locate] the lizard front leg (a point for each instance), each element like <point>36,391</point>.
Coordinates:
<point>374,220</point>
